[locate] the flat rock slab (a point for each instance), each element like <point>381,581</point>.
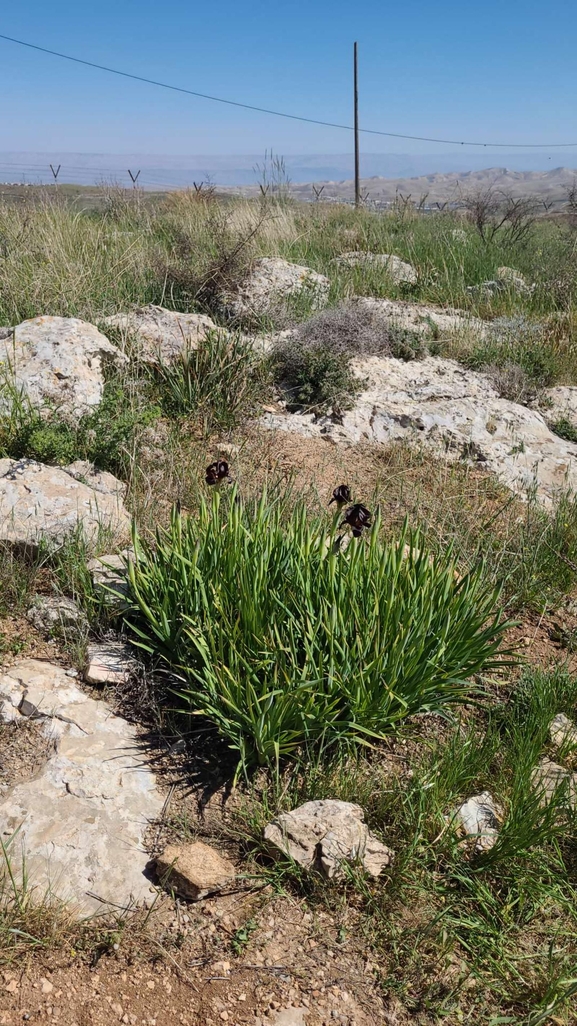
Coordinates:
<point>560,403</point>
<point>58,362</point>
<point>109,662</point>
<point>194,870</point>
<point>160,334</point>
<point>81,821</point>
<point>455,413</point>
<point>321,835</point>
<point>40,503</point>
<point>563,731</point>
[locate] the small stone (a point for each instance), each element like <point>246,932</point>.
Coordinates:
<point>224,1016</point>
<point>563,731</point>
<point>150,984</point>
<point>480,818</point>
<point>194,871</point>
<point>320,835</point>
<point>12,986</point>
<point>47,987</point>
<point>548,777</point>
<point>109,662</point>
<point>109,578</point>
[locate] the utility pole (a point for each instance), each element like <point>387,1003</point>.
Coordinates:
<point>357,162</point>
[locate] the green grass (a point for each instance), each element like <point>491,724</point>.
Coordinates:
<point>281,640</point>
<point>455,934</point>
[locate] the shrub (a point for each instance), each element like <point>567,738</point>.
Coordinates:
<point>313,365</point>
<point>281,641</point>
<point>105,436</point>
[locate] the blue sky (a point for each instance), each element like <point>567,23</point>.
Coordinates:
<point>500,70</point>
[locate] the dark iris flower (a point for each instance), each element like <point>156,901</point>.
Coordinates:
<point>341,494</point>
<point>357,517</point>
<point>217,472</point>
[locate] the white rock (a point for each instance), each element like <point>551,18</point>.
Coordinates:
<point>109,577</point>
<point>58,361</point>
<point>273,281</point>
<point>453,412</point>
<point>82,819</point>
<point>560,403</point>
<point>423,318</point>
<point>40,503</point>
<point>99,480</point>
<point>322,834</point>
<point>480,818</point>
<point>53,612</point>
<point>548,776</point>
<point>563,731</point>
<point>162,334</point>
<point>399,271</point>
<point>109,662</point>
<point>514,280</point>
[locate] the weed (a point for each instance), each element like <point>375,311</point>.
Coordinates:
<point>219,382</point>
<point>565,429</point>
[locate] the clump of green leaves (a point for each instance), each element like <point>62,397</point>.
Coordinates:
<point>219,381</point>
<point>105,436</point>
<point>283,641</point>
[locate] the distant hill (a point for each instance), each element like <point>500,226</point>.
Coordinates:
<point>550,187</point>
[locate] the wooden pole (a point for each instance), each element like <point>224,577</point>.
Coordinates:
<point>357,160</point>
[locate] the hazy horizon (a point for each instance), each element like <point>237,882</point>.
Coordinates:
<point>177,170</point>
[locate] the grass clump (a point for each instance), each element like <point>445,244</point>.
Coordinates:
<point>219,381</point>
<point>313,364</point>
<point>565,429</point>
<point>281,641</point>
<point>517,355</point>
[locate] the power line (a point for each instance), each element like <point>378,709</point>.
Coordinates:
<point>279,113</point>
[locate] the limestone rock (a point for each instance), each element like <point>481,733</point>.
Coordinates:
<point>424,318</point>
<point>548,776</point>
<point>40,503</point>
<point>563,731</point>
<point>321,835</point>
<point>514,280</point>
<point>82,819</point>
<point>453,412</point>
<point>291,1016</point>
<point>194,870</point>
<point>480,818</point>
<point>399,271</point>
<point>55,612</point>
<point>109,577</point>
<point>160,334</point>
<point>58,362</point>
<point>273,281</point>
<point>560,403</point>
<point>99,480</point>
<point>109,662</point>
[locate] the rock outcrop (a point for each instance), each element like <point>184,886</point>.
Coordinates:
<point>455,413</point>
<point>45,504</point>
<point>161,335</point>
<point>321,835</point>
<point>273,282</point>
<point>57,363</point>
<point>80,822</point>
